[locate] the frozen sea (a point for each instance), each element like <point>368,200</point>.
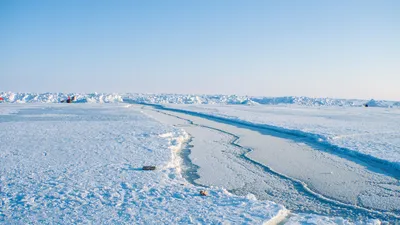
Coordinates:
<point>371,132</point>
<point>300,170</point>
<point>81,163</point>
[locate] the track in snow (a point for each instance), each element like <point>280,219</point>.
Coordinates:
<point>278,187</point>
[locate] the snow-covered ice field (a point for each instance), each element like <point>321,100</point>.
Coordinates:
<point>303,179</point>
<point>81,163</point>
<point>370,132</point>
<point>72,164</point>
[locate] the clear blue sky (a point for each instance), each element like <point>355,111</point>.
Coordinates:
<point>345,49</point>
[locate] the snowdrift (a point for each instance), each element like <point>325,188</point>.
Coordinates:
<point>11,97</point>
<point>247,100</point>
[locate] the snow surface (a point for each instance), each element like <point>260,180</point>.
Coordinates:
<point>303,179</point>
<point>302,219</point>
<point>7,111</point>
<point>81,163</point>
<point>71,188</point>
<point>372,132</point>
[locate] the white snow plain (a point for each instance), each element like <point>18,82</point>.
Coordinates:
<point>81,163</point>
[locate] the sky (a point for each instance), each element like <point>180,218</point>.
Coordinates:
<point>338,49</point>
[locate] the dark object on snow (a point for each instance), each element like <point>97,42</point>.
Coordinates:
<point>365,105</point>
<point>149,168</point>
<point>69,100</point>
<point>203,193</point>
